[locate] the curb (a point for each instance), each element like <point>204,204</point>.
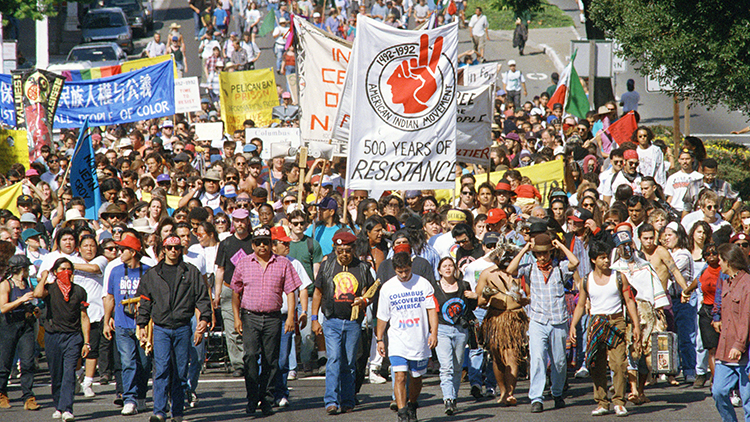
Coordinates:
<point>549,51</point>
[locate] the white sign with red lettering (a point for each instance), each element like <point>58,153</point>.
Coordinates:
<point>187,95</point>
<point>403,119</point>
<point>474,124</point>
<point>322,61</point>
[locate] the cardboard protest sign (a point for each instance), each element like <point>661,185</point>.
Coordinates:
<point>250,94</point>
<point>480,74</point>
<point>474,124</point>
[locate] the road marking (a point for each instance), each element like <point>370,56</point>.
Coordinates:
<point>536,76</point>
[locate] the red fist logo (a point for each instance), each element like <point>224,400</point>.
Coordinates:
<point>413,82</point>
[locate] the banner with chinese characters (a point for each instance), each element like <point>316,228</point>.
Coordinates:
<point>36,93</point>
<point>128,97</point>
<point>403,115</point>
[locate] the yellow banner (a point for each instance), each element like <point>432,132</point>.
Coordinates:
<point>14,148</point>
<point>9,195</point>
<point>172,200</point>
<point>247,95</point>
<point>136,64</point>
<point>545,177</point>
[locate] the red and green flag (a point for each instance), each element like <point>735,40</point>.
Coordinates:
<point>570,92</point>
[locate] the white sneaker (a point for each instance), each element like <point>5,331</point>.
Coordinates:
<point>582,373</point>
<point>129,409</point>
<point>621,410</point>
<point>88,391</point>
<point>735,399</point>
<point>283,402</point>
<point>57,414</point>
<point>68,417</point>
<point>291,376</point>
<point>375,378</point>
<point>600,411</point>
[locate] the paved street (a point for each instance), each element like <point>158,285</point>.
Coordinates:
<point>222,399</point>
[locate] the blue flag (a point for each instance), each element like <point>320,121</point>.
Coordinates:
<point>83,180</point>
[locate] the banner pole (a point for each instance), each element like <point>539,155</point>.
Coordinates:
<point>302,167</point>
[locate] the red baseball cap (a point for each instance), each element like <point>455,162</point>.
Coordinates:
<point>278,233</point>
<point>129,241</point>
<point>495,215</point>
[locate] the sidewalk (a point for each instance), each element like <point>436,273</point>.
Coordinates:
<point>547,51</point>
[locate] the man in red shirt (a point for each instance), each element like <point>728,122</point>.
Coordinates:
<point>258,282</point>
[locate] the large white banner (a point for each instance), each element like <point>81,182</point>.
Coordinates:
<point>344,112</point>
<point>403,120</point>
<point>480,74</point>
<point>322,61</point>
<point>474,124</point>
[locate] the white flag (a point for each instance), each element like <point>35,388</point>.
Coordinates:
<point>403,120</point>
<point>322,61</point>
<point>480,74</point>
<point>474,124</point>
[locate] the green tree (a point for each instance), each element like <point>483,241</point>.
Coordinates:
<point>701,47</point>
<point>28,9</point>
<point>519,7</point>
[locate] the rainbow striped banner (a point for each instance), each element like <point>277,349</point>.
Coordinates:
<point>88,74</point>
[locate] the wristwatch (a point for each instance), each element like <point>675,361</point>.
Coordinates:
<point>378,340</point>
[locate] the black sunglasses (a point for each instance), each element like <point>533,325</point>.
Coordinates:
<point>261,242</point>
<point>220,222</point>
<point>173,247</point>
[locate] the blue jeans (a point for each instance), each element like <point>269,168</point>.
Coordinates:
<point>725,379</point>
<point>136,366</point>
<point>685,316</point>
<point>450,353</point>
<point>197,358</point>
<point>287,340</point>
<point>342,341</point>
<point>171,355</point>
<point>63,351</point>
<point>198,23</point>
<point>478,371</point>
<point>278,50</point>
<point>546,340</point>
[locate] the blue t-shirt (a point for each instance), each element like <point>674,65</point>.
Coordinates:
<point>324,236</point>
<point>122,284</point>
<point>221,17</point>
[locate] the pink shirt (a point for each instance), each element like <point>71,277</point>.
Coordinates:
<point>261,290</point>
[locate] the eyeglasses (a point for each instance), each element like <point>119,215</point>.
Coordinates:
<point>743,244</point>
<point>289,201</point>
<point>588,205</point>
<point>220,222</point>
<point>461,242</point>
<point>468,192</point>
<point>280,242</point>
<point>180,179</point>
<point>245,205</point>
<point>315,185</point>
<point>359,198</point>
<point>633,163</point>
<point>231,179</point>
<point>111,249</point>
<point>240,163</point>
<point>173,247</point>
<point>53,161</point>
<point>259,242</point>
<point>347,251</point>
<point>710,207</point>
<point>297,223</point>
<point>118,230</point>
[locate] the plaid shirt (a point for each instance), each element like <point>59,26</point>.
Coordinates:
<point>547,298</point>
<point>261,290</point>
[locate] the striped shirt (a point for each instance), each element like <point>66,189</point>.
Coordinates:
<point>547,297</point>
<point>261,290</point>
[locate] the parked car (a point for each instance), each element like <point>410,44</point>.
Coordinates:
<point>87,56</point>
<point>140,17</point>
<point>107,24</point>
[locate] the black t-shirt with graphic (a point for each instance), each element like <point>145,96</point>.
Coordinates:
<point>229,253</point>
